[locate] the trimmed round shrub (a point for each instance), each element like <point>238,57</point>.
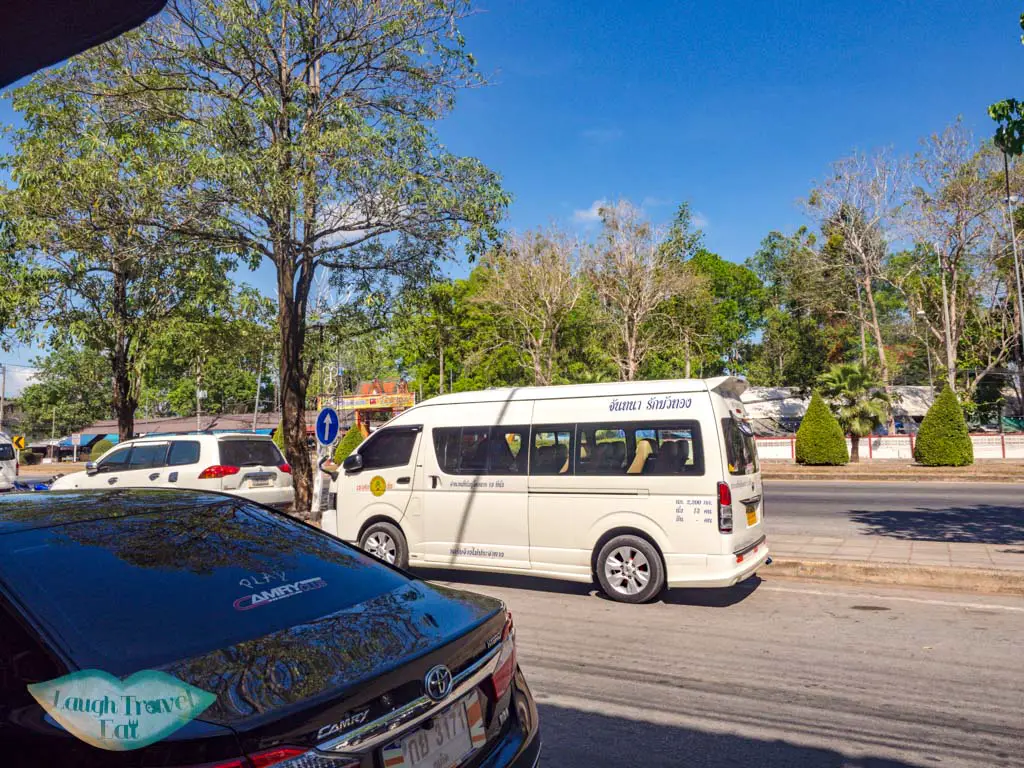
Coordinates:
<point>99,448</point>
<point>278,437</point>
<point>347,444</point>
<point>820,439</point>
<point>943,440</point>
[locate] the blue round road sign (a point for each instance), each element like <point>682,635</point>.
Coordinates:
<point>327,424</point>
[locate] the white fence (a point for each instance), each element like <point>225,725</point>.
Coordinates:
<point>899,447</point>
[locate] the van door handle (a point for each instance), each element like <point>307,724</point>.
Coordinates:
<point>403,480</point>
<point>172,478</point>
<point>111,480</point>
<point>434,479</point>
<point>154,476</point>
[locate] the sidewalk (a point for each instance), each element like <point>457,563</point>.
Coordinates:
<point>982,471</point>
<point>902,551</point>
<point>963,567</point>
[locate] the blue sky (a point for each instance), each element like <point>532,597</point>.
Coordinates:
<point>733,106</point>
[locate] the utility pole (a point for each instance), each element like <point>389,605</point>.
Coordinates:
<point>1010,201</point>
<point>3,393</point>
<point>53,431</point>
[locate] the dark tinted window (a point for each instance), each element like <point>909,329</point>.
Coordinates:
<point>147,455</point>
<point>183,452</point>
<point>552,448</point>
<point>249,453</point>
<point>6,452</point>
<point>388,448</point>
<point>115,461</point>
<point>131,593</point>
<point>740,449</point>
<point>508,450</point>
<point>640,449</point>
<point>481,450</point>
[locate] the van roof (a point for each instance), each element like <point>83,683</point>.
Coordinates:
<point>724,385</point>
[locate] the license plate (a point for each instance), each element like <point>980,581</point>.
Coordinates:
<point>452,735</point>
<point>260,481</point>
<point>751,516</point>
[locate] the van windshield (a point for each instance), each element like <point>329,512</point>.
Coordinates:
<point>740,449</point>
<point>6,452</point>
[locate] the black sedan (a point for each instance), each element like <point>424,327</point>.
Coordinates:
<point>171,629</point>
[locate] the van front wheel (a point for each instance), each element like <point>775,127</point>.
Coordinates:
<point>629,569</point>
<point>386,542</point>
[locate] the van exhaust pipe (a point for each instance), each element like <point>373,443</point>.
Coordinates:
<point>768,561</point>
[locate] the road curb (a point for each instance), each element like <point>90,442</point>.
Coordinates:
<point>983,580</point>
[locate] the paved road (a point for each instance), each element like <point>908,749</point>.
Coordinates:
<point>980,513</point>
<point>777,674</point>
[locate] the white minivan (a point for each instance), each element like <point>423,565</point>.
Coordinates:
<point>8,463</point>
<point>636,485</point>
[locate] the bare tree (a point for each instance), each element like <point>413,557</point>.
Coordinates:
<point>633,277</point>
<point>533,284</point>
<point>857,206</point>
<point>957,286</point>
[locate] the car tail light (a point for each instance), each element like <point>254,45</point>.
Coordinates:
<point>217,471</point>
<point>724,508</point>
<point>286,468</point>
<point>505,668</point>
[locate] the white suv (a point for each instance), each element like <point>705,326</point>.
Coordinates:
<point>241,464</point>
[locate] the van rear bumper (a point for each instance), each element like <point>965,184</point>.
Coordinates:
<point>721,570</point>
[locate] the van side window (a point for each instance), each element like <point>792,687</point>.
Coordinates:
<point>640,449</point>
<point>508,450</point>
<point>388,448</point>
<point>551,452</point>
<point>6,452</point>
<point>481,450</point>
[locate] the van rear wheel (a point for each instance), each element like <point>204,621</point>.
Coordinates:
<point>629,569</point>
<point>386,542</point>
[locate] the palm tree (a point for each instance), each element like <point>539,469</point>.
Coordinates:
<point>857,399</point>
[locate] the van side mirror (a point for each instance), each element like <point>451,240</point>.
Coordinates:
<point>91,468</point>
<point>354,463</point>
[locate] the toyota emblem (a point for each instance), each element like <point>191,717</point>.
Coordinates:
<point>438,682</point>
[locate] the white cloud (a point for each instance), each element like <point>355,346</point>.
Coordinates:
<point>700,220</point>
<point>602,135</point>
<point>589,215</point>
<point>654,202</point>
<point>18,378</point>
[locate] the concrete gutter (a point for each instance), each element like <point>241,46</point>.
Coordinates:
<point>993,582</point>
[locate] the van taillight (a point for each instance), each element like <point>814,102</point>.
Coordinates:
<point>217,471</point>
<point>724,508</point>
<point>286,468</point>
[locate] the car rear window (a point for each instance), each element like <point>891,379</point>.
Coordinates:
<point>740,449</point>
<point>6,452</point>
<point>249,453</point>
<point>132,593</point>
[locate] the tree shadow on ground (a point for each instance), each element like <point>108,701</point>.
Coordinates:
<point>576,739</point>
<point>707,598</point>
<point>978,524</point>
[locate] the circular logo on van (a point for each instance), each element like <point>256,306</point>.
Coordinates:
<point>378,485</point>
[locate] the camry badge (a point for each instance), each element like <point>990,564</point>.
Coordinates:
<point>438,682</point>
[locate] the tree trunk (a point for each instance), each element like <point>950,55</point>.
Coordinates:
<point>440,368</point>
<point>854,449</point>
<point>689,362</point>
<point>291,318</point>
<point>124,402</point>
